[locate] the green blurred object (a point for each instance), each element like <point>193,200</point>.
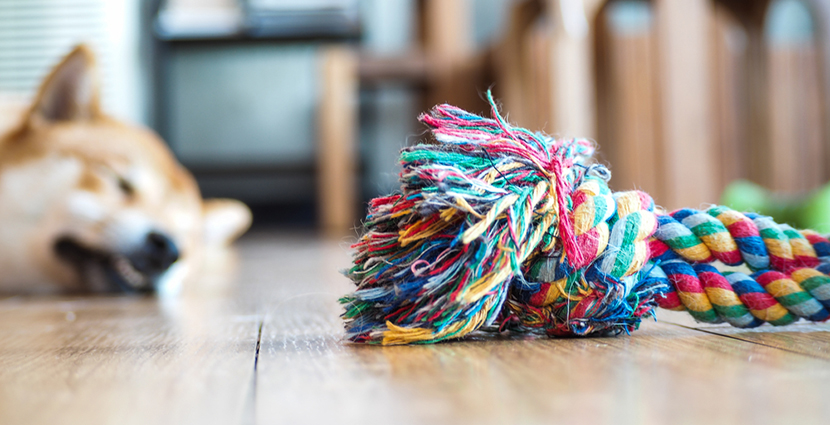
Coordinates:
<point>810,211</point>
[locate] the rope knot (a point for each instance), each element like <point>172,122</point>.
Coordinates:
<point>496,227</point>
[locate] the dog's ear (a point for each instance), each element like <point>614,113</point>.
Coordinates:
<point>70,92</point>
<point>224,220</point>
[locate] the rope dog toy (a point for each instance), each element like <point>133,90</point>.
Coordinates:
<point>498,228</point>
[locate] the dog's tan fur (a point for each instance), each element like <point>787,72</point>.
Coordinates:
<point>69,170</point>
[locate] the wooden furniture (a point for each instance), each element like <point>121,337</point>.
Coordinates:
<point>616,95</point>
<point>243,112</point>
<point>543,67</point>
<point>443,66</point>
<point>691,100</point>
<point>786,135</point>
<point>336,141</point>
<point>264,145</point>
<point>261,344</point>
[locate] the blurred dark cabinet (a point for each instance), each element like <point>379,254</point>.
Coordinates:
<point>240,114</point>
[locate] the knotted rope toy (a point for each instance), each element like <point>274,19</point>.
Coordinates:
<point>501,229</point>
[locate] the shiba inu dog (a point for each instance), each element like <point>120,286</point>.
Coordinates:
<point>91,204</point>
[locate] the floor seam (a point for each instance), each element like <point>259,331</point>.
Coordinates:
<point>252,399</point>
<point>258,341</point>
<point>812,356</point>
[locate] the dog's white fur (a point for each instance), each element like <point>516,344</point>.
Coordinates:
<point>67,170</point>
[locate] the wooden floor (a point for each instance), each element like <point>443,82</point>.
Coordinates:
<point>262,344</point>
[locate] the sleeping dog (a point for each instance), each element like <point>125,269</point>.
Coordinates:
<point>91,204</point>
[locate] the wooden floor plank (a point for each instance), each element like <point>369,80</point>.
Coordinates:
<point>660,374</point>
<point>180,359</point>
<point>103,360</point>
<point>190,359</point>
<point>656,376</point>
<point>812,339</point>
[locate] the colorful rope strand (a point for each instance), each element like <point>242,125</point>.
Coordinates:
<point>498,228</point>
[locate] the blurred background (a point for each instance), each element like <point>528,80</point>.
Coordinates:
<point>299,107</point>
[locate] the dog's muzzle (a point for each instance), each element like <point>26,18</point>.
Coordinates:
<point>136,271</point>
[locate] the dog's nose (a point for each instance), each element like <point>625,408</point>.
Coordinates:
<point>157,254</point>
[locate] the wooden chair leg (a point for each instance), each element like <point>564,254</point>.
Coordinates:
<point>337,147</point>
<point>572,74</point>
<point>683,67</point>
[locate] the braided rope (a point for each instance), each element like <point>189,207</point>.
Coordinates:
<point>784,285</point>
<point>498,228</point>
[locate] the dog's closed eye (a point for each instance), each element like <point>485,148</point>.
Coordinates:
<point>110,173</point>
<point>126,187</point>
